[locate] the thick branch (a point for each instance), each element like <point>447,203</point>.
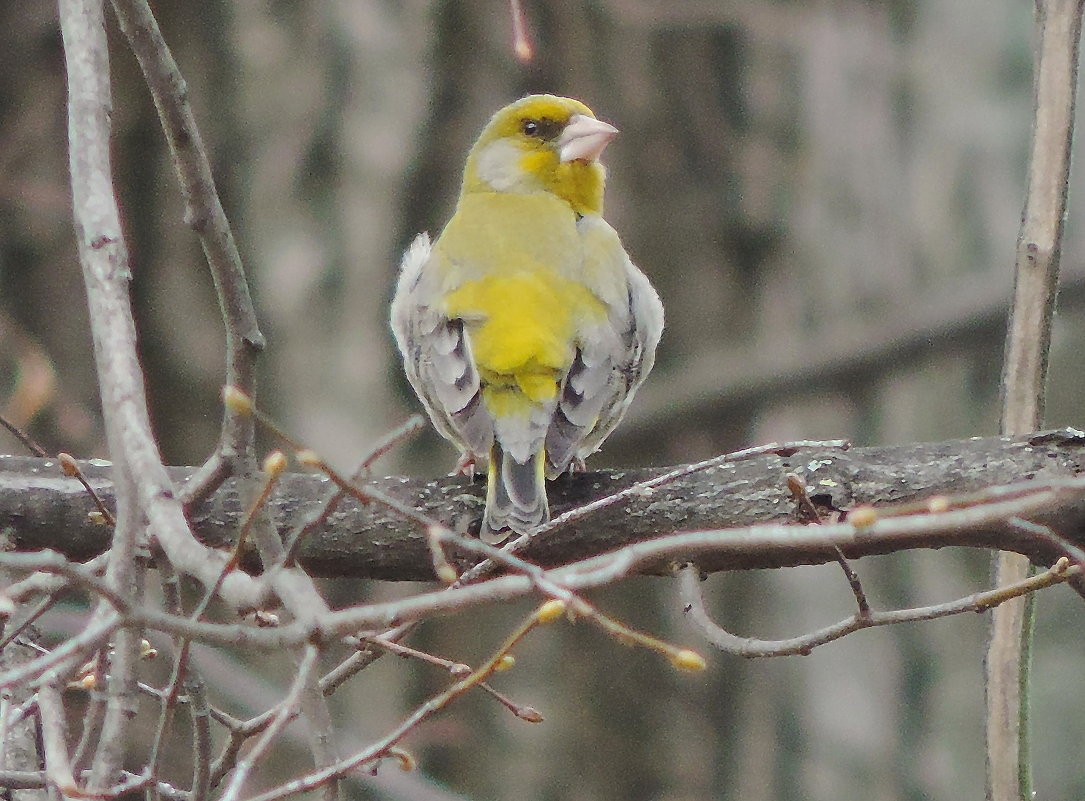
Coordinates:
<point>44,509</point>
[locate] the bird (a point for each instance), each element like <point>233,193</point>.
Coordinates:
<point>525,329</point>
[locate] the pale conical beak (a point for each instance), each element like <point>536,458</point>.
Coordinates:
<point>584,138</point>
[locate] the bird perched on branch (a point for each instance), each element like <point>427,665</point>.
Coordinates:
<point>525,328</point>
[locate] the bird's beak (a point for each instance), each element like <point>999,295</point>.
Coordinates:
<point>584,138</point>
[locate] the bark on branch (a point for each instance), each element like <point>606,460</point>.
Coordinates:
<point>40,508</point>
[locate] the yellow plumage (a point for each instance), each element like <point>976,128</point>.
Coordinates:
<point>525,328</point>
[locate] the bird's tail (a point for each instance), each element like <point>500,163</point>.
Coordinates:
<point>515,495</point>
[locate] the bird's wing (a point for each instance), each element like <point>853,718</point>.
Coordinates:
<point>437,354</point>
<point>613,355</point>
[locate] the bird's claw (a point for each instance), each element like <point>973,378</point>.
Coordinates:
<point>465,466</point>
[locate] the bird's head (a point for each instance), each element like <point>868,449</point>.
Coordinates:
<point>542,143</point>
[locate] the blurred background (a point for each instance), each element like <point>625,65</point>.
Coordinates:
<point>826,194</point>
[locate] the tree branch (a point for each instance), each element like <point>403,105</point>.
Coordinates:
<point>205,215</point>
<point>104,260</point>
<point>43,509</point>
<point>1024,373</point>
<point>802,645</point>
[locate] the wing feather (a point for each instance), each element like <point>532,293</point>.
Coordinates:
<point>437,356</point>
<point>613,356</point>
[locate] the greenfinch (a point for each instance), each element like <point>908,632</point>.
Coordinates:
<point>525,328</point>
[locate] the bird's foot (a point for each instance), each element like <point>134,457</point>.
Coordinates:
<point>465,466</point>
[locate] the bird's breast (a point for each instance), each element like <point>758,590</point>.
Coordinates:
<point>515,276</point>
<point>524,323</point>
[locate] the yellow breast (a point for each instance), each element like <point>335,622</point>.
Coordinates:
<point>515,265</point>
<point>523,323</point>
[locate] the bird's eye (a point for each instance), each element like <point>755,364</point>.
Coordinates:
<point>543,128</point>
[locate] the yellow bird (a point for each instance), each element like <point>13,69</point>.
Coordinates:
<point>525,328</point>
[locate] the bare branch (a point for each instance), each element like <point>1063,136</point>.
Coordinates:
<point>105,270</point>
<point>123,579</point>
<point>1024,371</point>
<point>71,468</point>
<point>65,657</point>
<point>27,441</point>
<point>49,584</point>
<point>374,542</point>
<point>300,596</point>
<point>291,702</point>
<point>58,768</point>
<point>183,673</point>
<point>456,669</point>
<point>381,748</point>
<point>106,274</point>
<point>204,213</point>
<point>360,660</point>
<point>1073,552</point>
<point>693,598</point>
<point>320,516</point>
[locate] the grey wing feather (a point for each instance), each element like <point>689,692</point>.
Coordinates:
<point>611,362</point>
<point>437,355</point>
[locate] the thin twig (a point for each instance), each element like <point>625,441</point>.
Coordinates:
<point>26,440</point>
<point>168,697</point>
<point>71,653</point>
<point>71,469</point>
<point>189,676</point>
<point>853,582</point>
<point>456,669</point>
<point>43,583</point>
<point>393,439</point>
<point>121,705</point>
<point>693,600</point>
<point>298,593</point>
<point>808,511</point>
<point>1073,552</point>
<point>287,708</point>
<point>76,574</point>
<point>440,535</point>
<point>231,563</point>
<point>320,517</point>
<point>11,632</point>
<point>376,750</point>
<point>92,725</point>
<point>360,660</point>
